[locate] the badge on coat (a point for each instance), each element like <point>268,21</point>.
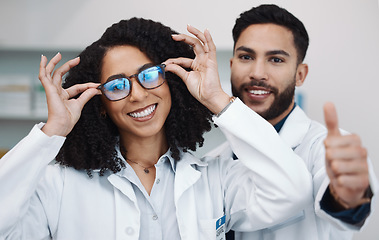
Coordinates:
<point>220,228</point>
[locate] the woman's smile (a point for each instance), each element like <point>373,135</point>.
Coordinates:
<point>144,114</point>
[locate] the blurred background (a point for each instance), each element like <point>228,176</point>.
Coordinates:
<point>343,56</point>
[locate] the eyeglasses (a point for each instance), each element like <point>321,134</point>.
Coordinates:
<point>120,88</point>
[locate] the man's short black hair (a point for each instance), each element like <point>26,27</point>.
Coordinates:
<point>270,13</point>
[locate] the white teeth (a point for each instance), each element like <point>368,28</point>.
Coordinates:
<point>143,113</point>
<point>259,92</point>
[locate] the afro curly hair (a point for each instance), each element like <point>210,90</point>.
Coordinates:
<point>92,142</point>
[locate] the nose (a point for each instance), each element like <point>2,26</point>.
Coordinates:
<point>258,70</point>
<point>137,92</point>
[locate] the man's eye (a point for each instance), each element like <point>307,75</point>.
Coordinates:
<point>245,57</point>
<point>276,60</point>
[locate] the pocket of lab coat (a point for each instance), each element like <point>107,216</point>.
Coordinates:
<point>298,217</point>
<point>208,230</point>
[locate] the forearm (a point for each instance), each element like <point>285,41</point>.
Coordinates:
<point>20,171</point>
<point>282,182</point>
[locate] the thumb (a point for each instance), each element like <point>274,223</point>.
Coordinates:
<point>331,119</point>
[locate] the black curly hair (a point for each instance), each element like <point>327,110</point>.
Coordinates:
<point>91,143</point>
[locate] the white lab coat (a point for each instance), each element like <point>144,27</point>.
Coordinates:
<point>306,138</point>
<point>39,200</point>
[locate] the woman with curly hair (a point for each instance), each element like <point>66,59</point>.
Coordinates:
<point>91,143</point>
<point>120,128</point>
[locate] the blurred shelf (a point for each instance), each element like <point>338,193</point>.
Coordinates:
<point>23,117</point>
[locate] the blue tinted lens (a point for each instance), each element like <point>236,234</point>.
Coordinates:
<point>117,89</point>
<point>152,77</point>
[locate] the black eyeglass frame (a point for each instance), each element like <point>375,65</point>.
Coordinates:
<point>161,66</point>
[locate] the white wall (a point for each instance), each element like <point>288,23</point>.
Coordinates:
<point>343,53</point>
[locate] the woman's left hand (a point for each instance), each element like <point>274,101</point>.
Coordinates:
<point>203,80</point>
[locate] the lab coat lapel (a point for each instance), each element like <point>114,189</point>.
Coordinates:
<point>185,198</point>
<point>295,128</point>
<point>126,208</point>
<point>122,184</point>
<point>186,175</point>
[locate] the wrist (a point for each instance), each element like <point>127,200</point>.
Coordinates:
<point>231,100</point>
<point>54,129</point>
<point>218,103</point>
<point>341,204</point>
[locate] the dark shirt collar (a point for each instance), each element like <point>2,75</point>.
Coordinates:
<point>280,124</point>
<point>277,126</point>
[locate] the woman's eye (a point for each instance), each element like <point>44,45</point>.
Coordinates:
<point>115,85</point>
<point>118,86</point>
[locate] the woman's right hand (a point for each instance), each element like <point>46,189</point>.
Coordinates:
<point>63,110</point>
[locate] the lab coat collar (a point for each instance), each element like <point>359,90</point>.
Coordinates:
<point>186,173</point>
<point>299,121</point>
<point>189,159</point>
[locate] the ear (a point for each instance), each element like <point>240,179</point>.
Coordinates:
<point>103,112</point>
<point>231,62</point>
<point>301,74</point>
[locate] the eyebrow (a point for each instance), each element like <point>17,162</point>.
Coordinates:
<point>269,53</point>
<point>116,76</point>
<point>122,75</point>
<point>245,49</point>
<point>145,66</point>
<point>278,52</point>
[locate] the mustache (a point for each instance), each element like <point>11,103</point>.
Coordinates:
<point>257,83</point>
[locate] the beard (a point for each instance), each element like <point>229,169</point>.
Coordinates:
<point>282,100</point>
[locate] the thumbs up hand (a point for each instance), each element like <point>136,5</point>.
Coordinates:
<point>346,163</point>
